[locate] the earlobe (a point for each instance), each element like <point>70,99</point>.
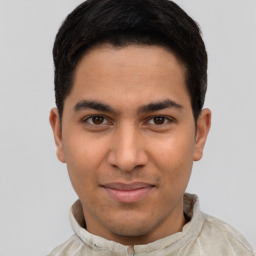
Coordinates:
<point>54,119</point>
<point>203,127</point>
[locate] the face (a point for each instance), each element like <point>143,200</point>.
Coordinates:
<point>128,138</point>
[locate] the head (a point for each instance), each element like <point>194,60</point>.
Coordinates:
<point>130,82</point>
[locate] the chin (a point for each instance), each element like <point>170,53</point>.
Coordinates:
<point>130,231</point>
<point>131,226</point>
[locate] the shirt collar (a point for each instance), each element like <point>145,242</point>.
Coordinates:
<point>189,232</point>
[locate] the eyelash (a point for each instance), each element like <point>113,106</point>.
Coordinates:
<point>167,120</point>
<point>86,120</point>
<point>106,121</point>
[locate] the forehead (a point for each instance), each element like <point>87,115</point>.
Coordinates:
<point>152,57</point>
<point>136,74</point>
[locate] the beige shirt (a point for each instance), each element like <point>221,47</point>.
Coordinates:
<point>203,235</point>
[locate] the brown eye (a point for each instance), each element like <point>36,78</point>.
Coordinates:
<point>158,120</point>
<point>97,120</point>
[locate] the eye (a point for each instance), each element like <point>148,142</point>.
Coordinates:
<point>159,120</point>
<point>96,120</point>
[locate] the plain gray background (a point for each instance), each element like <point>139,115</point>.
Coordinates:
<point>35,192</point>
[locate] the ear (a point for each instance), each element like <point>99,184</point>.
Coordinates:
<point>203,127</point>
<point>54,119</point>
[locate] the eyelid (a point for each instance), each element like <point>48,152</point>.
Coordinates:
<point>107,121</point>
<point>167,118</point>
<point>86,118</point>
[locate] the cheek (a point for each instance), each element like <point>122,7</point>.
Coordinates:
<point>83,150</point>
<point>83,157</point>
<point>174,157</point>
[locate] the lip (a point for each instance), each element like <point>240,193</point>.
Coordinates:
<point>128,193</point>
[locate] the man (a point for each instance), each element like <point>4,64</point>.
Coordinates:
<point>130,83</point>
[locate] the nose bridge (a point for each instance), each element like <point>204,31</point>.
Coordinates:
<point>128,150</point>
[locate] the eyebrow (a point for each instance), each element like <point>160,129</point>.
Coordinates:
<point>91,104</point>
<point>159,105</point>
<point>151,107</point>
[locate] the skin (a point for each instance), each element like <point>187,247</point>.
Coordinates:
<point>131,140</point>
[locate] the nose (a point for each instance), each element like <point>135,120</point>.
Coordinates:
<point>128,150</point>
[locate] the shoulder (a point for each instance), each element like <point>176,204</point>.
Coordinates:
<point>70,247</point>
<point>219,234</point>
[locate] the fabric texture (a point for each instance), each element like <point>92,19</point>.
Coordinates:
<point>203,235</point>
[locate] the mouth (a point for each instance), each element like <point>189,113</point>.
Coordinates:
<point>128,193</point>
